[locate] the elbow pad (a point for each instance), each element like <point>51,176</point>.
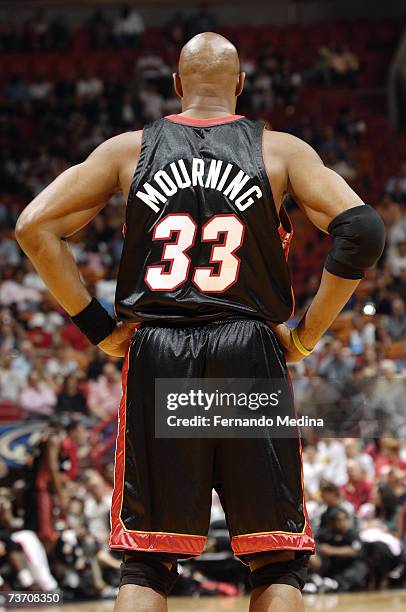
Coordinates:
<point>359,240</point>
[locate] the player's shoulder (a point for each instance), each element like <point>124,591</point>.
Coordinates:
<point>123,144</point>
<point>283,144</point>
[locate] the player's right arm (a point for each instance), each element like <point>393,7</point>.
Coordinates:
<point>69,203</point>
<point>332,206</point>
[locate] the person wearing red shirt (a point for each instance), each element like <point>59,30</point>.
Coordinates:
<point>358,490</point>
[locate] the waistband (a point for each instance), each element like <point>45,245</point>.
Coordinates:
<point>184,324</point>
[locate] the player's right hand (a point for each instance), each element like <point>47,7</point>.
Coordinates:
<point>116,343</point>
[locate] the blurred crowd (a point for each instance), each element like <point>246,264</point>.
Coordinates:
<point>54,512</point>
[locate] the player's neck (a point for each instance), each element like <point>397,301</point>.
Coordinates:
<point>205,107</point>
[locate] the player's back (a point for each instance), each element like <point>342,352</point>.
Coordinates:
<point>203,238</point>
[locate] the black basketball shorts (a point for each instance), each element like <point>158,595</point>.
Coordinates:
<point>163,487</point>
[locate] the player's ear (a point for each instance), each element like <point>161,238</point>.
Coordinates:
<point>177,85</point>
<point>240,84</point>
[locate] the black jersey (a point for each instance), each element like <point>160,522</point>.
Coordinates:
<point>203,239</point>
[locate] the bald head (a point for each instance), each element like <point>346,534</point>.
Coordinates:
<point>209,55</point>
<point>209,62</point>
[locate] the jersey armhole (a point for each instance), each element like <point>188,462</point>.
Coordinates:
<point>138,168</point>
<point>285,230</point>
<point>285,227</point>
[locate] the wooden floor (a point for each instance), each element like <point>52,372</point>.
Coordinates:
<point>392,601</point>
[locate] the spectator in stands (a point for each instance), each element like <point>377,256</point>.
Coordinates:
<point>9,336</point>
<point>332,501</point>
<point>397,222</point>
<point>329,143</point>
<point>344,65</point>
<point>321,70</point>
<point>261,92</point>
<point>99,29</point>
<point>37,335</point>
<point>358,490</point>
<point>97,506</point>
<point>71,399</point>
<point>387,506</point>
<point>22,361</point>
<point>397,258</point>
<point>340,551</point>
<point>11,380</point>
<point>338,364</point>
<point>96,362</point>
<point>397,184</point>
<point>396,325</point>
<point>382,549</point>
<point>312,469</point>
<point>105,392</point>
<point>12,291</point>
<point>285,85</point>
<point>61,363</point>
<point>40,90</point>
<point>152,69</point>
<point>152,102</point>
<point>9,254</point>
<point>332,456</point>
<point>202,21</point>
<point>38,398</point>
<point>349,125</point>
<point>175,30</point>
<point>354,452</point>
<point>29,556</point>
<point>129,28</point>
<point>39,27</point>
<point>362,335</point>
<point>89,86</point>
<point>13,568</point>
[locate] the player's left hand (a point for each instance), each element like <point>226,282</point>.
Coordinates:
<point>284,337</point>
<point>116,344</point>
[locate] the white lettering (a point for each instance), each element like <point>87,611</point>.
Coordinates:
<point>165,182</point>
<point>197,171</point>
<point>236,184</point>
<point>186,178</point>
<point>214,173</point>
<point>151,197</point>
<point>224,177</point>
<point>241,205</point>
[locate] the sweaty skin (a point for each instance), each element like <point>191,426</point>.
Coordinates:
<point>208,82</point>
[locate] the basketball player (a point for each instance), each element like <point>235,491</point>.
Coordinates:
<point>203,271</point>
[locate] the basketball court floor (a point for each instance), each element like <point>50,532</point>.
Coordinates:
<point>389,601</point>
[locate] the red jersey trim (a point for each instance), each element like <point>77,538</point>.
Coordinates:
<point>203,122</point>
<point>262,542</point>
<point>158,542</point>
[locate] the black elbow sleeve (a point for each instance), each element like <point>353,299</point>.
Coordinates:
<point>359,240</point>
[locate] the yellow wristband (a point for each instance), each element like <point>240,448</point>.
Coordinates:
<point>298,344</point>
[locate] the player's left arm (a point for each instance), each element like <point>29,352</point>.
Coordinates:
<point>357,231</point>
<point>71,201</point>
